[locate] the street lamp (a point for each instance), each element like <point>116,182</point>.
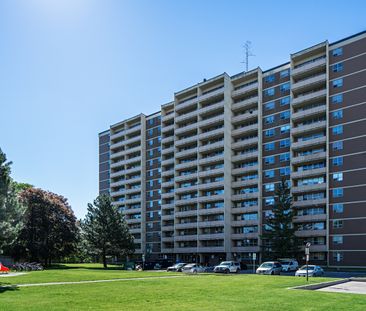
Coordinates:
<point>307,253</point>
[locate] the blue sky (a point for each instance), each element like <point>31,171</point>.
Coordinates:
<point>70,68</point>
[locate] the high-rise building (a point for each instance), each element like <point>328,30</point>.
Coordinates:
<point>196,180</point>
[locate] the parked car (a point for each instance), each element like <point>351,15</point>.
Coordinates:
<point>289,264</point>
<point>270,267</point>
<point>193,268</point>
<point>312,270</point>
<point>227,267</point>
<point>176,268</point>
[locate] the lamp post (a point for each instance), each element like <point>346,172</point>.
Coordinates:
<point>254,256</point>
<point>307,253</point>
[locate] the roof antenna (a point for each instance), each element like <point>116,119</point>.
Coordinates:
<point>247,50</point>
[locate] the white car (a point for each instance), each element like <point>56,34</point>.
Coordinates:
<point>312,271</point>
<point>227,267</point>
<point>193,268</point>
<point>289,264</point>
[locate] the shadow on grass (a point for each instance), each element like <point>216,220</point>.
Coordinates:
<point>4,287</point>
<point>82,266</point>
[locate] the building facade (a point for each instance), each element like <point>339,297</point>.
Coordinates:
<point>196,180</point>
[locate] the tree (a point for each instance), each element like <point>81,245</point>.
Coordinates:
<point>106,230</point>
<point>11,211</point>
<point>49,229</point>
<point>279,239</point>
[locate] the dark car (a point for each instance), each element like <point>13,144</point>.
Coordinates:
<point>176,268</point>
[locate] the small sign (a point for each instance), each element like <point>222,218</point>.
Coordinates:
<point>307,257</point>
<point>254,256</point>
<point>338,257</point>
<point>307,251</point>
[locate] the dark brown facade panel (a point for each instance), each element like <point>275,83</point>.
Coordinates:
<point>349,66</point>
<point>349,82</point>
<point>349,130</point>
<point>103,157</point>
<point>104,184</point>
<point>103,175</point>
<point>276,79</point>
<point>277,135</point>
<point>103,148</point>
<point>350,179</point>
<point>349,50</point>
<point>350,242</point>
<point>348,115</point>
<point>350,210</point>
<point>350,162</point>
<point>349,146</point>
<point>349,99</point>
<point>354,194</point>
<point>155,122</point>
<point>349,226</point>
<point>104,166</point>
<point>278,108</point>
<point>104,139</point>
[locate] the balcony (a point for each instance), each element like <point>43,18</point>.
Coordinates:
<point>246,249</point>
<point>211,198</point>
<point>117,174</point>
<point>185,141</point>
<point>211,121</point>
<point>167,117</point>
<point>249,88</point>
<point>297,116</point>
<point>133,170</point>
<point>310,233</point>
<point>213,146</point>
<point>211,108</point>
<point>319,63</point>
<point>167,173</point>
<point>245,129</point>
<point>118,163</point>
<point>186,103</point>
<point>243,170</point>
<point>168,150</point>
<point>133,129</point>
<point>117,145</point>
<point>210,134</point>
<point>167,206</point>
<point>133,221</point>
<point>309,143</point>
<point>132,150</point>
<point>133,160</point>
<point>167,162</point>
<point>167,140</point>
<point>185,214</point>
<point>245,117</point>
<point>182,250</point>
<point>167,228</point>
<point>117,154</point>
<point>212,236</point>
<point>167,217</point>
<point>189,201</point>
<point>308,83</point>
<point>186,153</point>
<point>167,239</point>
<point>246,103</point>
<point>217,171</point>
<point>244,196</point>
<point>167,195</point>
<point>211,185</point>
<point>187,116</point>
<point>244,143</point>
<point>133,211</point>
<point>132,201</point>
<point>206,224</point>
<point>240,223</point>
<point>188,225</point>
<point>309,158</point>
<point>244,183</point>
<point>211,160</point>
<point>310,202</point>
<point>117,135</point>
<point>313,127</point>
<point>310,218</point>
<point>132,140</point>
<point>308,173</point>
<point>211,249</point>
<point>186,189</point>
<point>212,93</point>
<point>118,183</point>
<point>182,166</point>
<point>186,128</point>
<point>132,190</point>
<point>210,211</point>
<point>243,210</point>
<point>308,97</point>
<point>242,236</point>
<point>179,238</point>
<point>167,184</point>
<point>186,177</point>
<point>165,129</point>
<point>245,156</point>
<point>118,193</point>
<point>309,188</point>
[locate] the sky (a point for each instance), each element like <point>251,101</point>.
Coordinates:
<point>71,68</point>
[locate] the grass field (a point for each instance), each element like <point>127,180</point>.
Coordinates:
<point>202,292</point>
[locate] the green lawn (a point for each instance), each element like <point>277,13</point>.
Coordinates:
<point>202,292</point>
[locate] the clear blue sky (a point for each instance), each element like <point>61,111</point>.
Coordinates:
<point>70,68</point>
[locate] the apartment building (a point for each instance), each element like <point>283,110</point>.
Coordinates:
<point>196,180</point>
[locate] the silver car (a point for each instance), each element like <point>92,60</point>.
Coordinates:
<point>312,271</point>
<point>270,267</point>
<point>193,268</point>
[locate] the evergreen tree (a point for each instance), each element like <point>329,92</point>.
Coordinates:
<point>106,231</point>
<point>279,239</point>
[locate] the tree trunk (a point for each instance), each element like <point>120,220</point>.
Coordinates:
<point>104,259</point>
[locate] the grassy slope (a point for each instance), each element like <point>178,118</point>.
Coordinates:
<point>206,292</point>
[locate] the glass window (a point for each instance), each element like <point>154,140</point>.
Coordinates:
<point>269,160</point>
<point>269,187</point>
<point>269,78</point>
<point>269,106</point>
<point>337,239</point>
<point>337,67</point>
<point>337,52</point>
<point>285,101</point>
<point>338,193</point>
<point>285,143</point>
<point>337,99</point>
<point>285,129</point>
<point>337,130</point>
<point>285,73</point>
<point>284,171</point>
<point>269,146</point>
<point>284,157</point>
<point>269,174</point>
<point>338,145</point>
<point>269,201</point>
<point>285,115</point>
<point>338,176</point>
<point>285,87</point>
<point>337,224</point>
<point>270,133</point>
<point>338,208</point>
<point>337,114</point>
<point>269,92</point>
<point>269,119</point>
<point>337,83</point>
<point>338,161</point>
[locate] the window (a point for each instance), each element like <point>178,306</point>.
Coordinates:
<point>284,171</point>
<point>338,193</point>
<point>285,143</point>
<point>337,130</point>
<point>269,106</point>
<point>337,114</point>
<point>337,224</point>
<point>337,83</point>
<point>285,115</point>
<point>269,146</point>
<point>269,187</point>
<point>337,67</point>
<point>285,129</point>
<point>269,160</point>
<point>338,208</point>
<point>337,239</point>
<point>269,133</point>
<point>338,176</point>
<point>269,92</point>
<point>151,121</point>
<point>269,120</point>
<point>269,201</point>
<point>269,78</point>
<point>269,174</point>
<point>338,145</point>
<point>284,73</point>
<point>284,157</point>
<point>337,52</point>
<point>285,87</point>
<point>338,161</point>
<point>337,99</point>
<point>337,256</point>
<point>285,101</point>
